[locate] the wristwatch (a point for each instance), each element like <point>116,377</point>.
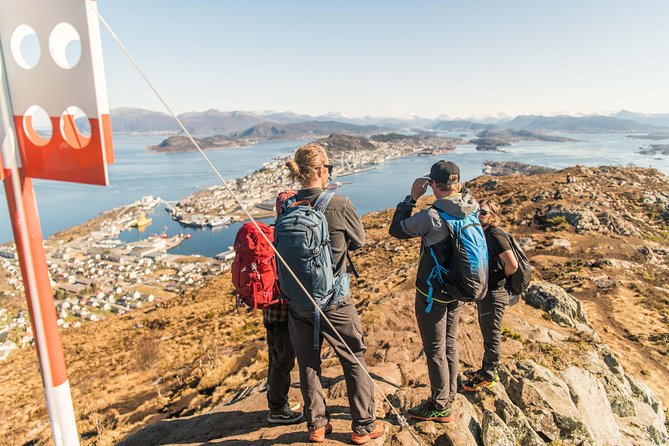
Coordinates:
<point>410,200</point>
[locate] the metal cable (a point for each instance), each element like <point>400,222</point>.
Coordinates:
<point>401,419</point>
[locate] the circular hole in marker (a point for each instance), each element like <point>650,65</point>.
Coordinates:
<point>65,45</point>
<point>25,47</point>
<point>37,125</point>
<point>75,127</point>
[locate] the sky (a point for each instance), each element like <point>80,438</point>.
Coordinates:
<point>469,58</point>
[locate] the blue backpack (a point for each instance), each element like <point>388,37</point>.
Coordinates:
<point>467,280</point>
<point>302,238</point>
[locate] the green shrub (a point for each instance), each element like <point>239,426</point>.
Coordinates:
<point>509,333</point>
<point>558,223</point>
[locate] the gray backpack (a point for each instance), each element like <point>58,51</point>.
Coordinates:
<point>519,281</point>
<point>302,238</point>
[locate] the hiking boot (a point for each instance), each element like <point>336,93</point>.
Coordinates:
<point>480,381</point>
<point>471,373</point>
<point>318,435</point>
<point>284,416</point>
<point>426,411</point>
<point>364,438</point>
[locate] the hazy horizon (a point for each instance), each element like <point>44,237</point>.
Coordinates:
<point>500,115</point>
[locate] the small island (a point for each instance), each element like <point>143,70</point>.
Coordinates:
<point>650,136</point>
<point>654,149</point>
<point>493,139</point>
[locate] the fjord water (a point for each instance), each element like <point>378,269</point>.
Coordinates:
<point>171,176</point>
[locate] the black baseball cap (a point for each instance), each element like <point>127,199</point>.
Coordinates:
<point>445,172</point>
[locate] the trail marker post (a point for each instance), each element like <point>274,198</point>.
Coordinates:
<point>50,69</point>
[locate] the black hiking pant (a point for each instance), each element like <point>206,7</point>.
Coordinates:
<point>439,332</point>
<point>490,312</point>
<point>359,386</point>
<point>281,362</point>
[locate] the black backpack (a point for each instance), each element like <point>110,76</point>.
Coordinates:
<point>518,282</point>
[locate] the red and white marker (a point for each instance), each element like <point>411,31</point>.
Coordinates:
<point>54,124</point>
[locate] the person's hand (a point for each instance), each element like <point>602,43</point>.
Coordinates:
<point>419,187</point>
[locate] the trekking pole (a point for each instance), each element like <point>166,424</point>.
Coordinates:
<point>401,419</point>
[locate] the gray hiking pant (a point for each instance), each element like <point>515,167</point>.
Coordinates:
<point>359,386</point>
<point>439,332</point>
<point>281,362</point>
<point>491,311</point>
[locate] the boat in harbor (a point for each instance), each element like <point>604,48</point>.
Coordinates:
<point>226,255</point>
<point>363,169</point>
<point>222,221</point>
<point>141,221</point>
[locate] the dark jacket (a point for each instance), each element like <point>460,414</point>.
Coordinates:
<point>434,233</point>
<point>346,230</point>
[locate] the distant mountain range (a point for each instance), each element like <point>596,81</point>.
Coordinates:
<point>298,130</point>
<point>269,125</point>
<point>660,119</point>
<point>461,125</point>
<point>583,124</point>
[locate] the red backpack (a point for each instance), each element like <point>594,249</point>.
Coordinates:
<point>254,268</point>
<point>254,273</point>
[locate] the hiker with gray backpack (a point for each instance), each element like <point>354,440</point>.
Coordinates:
<point>452,269</point>
<point>313,233</point>
<point>509,276</point>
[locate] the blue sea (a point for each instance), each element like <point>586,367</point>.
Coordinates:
<point>172,176</point>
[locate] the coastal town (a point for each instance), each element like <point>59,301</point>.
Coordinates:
<point>256,192</point>
<point>94,274</point>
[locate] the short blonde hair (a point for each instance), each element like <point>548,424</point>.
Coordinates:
<point>306,162</point>
<point>495,219</point>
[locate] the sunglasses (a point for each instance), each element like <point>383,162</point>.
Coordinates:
<point>329,167</point>
<point>482,212</point>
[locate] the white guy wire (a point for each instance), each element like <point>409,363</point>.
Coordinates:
<point>402,420</point>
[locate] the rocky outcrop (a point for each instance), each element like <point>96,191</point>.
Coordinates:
<point>495,431</point>
<point>545,400</point>
<point>617,225</point>
<point>592,403</point>
<point>517,422</point>
<point>585,406</point>
<point>581,219</point>
<point>562,307</point>
<point>504,168</point>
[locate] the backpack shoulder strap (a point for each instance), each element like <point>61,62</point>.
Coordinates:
<point>290,202</point>
<point>323,200</point>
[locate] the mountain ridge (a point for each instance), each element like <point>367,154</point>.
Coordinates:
<point>215,122</point>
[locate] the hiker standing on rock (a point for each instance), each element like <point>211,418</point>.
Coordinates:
<point>314,231</point>
<point>254,277</point>
<point>503,263</point>
<point>437,312</point>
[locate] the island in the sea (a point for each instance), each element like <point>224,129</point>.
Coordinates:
<point>655,149</point>
<point>493,139</point>
<point>265,131</point>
